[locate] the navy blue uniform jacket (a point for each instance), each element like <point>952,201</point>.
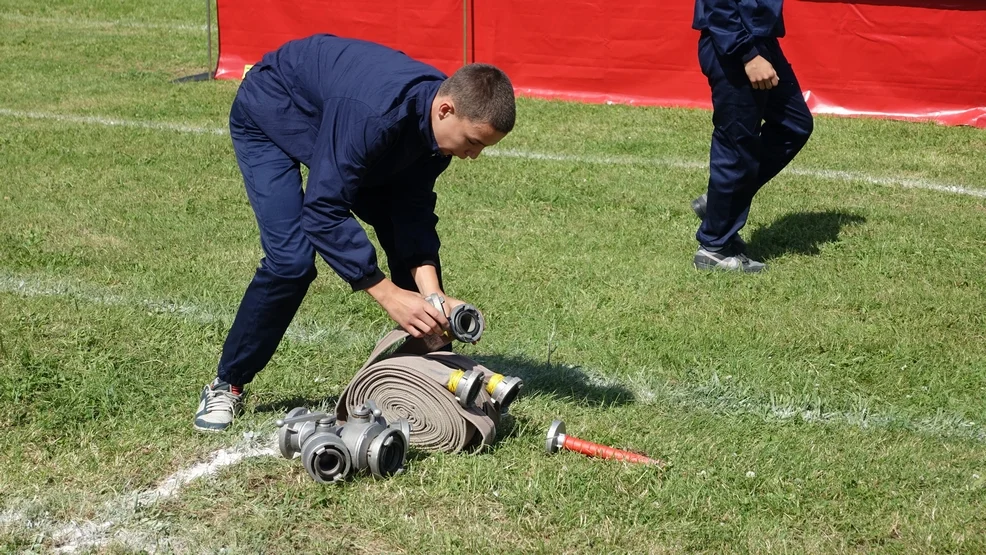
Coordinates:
<point>357,114</point>
<point>733,24</point>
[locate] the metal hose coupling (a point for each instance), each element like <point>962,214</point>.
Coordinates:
<point>373,444</point>
<point>465,321</point>
<point>503,389</point>
<point>314,436</point>
<point>465,385</point>
<point>332,452</point>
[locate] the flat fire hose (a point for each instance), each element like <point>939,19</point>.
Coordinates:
<point>419,387</point>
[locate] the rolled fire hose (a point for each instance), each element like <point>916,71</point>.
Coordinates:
<point>421,387</point>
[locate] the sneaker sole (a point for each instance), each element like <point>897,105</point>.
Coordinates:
<point>713,267</point>
<point>207,427</point>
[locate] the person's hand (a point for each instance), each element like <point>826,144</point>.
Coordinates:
<point>409,309</point>
<point>417,316</point>
<point>761,73</point>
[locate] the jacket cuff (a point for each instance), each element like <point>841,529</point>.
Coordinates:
<point>749,54</point>
<point>422,260</point>
<point>367,281</point>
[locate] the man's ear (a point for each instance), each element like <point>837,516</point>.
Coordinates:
<point>446,109</point>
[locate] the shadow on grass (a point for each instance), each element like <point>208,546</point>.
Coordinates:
<point>558,381</point>
<point>800,233</point>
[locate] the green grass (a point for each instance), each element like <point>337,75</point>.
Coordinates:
<point>834,404</point>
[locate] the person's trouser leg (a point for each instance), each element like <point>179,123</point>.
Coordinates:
<point>273,186</point>
<point>787,121</point>
<point>757,133</point>
<point>734,155</point>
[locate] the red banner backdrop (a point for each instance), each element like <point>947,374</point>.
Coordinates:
<point>905,59</point>
<point>428,30</point>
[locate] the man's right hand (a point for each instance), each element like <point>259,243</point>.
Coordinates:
<point>761,73</point>
<point>411,312</point>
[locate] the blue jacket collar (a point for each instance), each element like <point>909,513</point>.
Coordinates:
<point>424,97</point>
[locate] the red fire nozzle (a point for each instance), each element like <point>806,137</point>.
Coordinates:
<point>557,439</point>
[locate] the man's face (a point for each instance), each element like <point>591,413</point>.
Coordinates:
<point>458,136</point>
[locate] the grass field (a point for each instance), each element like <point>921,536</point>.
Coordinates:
<point>834,404</point>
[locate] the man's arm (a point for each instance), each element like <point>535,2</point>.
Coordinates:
<point>426,278</point>
<point>729,35</point>
<point>412,202</point>
<point>732,39</point>
<point>409,309</point>
<point>347,145</point>
<point>339,161</point>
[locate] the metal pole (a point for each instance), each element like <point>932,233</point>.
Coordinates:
<point>208,32</point>
<point>465,32</point>
<point>209,74</point>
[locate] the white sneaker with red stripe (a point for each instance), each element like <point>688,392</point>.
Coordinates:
<point>219,404</point>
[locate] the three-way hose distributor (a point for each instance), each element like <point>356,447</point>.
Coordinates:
<point>332,452</point>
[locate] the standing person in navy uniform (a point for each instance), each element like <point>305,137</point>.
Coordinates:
<point>759,115</point>
<point>375,129</point>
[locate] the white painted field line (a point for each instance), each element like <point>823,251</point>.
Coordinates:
<point>598,160</point>
<point>831,175</point>
<point>96,24</point>
<point>114,122</point>
<point>171,485</point>
<point>905,182</point>
<point>33,287</point>
<point>725,395</point>
<point>87,534</point>
<point>113,523</point>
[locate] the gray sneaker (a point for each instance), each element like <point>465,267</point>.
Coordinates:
<point>218,405</point>
<point>734,261</point>
<point>698,206</point>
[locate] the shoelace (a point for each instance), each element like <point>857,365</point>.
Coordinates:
<point>221,400</point>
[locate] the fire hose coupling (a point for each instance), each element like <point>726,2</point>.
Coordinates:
<point>466,321</point>
<point>465,385</point>
<point>332,452</point>
<point>503,389</point>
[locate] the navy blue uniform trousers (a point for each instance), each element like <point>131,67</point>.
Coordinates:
<point>756,134</point>
<point>273,186</point>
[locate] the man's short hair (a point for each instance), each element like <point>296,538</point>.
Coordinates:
<point>482,93</point>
